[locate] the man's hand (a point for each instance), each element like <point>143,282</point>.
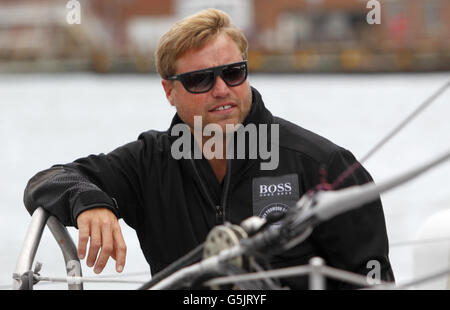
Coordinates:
<point>102,228</point>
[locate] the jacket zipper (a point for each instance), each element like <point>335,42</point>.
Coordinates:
<point>219,209</point>
<point>223,200</point>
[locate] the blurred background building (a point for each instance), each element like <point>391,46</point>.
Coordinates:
<point>284,35</point>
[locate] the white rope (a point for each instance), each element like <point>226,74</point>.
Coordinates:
<point>329,272</point>
<point>284,272</point>
<point>295,271</point>
<point>77,280</point>
<point>419,242</point>
<point>98,279</point>
<point>124,275</point>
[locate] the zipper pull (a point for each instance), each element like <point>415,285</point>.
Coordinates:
<point>219,214</point>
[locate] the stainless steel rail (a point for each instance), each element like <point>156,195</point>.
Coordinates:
<point>23,275</point>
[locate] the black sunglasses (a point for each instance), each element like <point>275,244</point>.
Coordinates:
<point>202,81</point>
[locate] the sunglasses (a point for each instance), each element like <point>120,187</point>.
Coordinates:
<point>202,81</point>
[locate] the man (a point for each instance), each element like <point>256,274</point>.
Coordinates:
<point>174,202</point>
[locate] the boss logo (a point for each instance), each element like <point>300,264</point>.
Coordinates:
<point>275,189</point>
<point>272,195</point>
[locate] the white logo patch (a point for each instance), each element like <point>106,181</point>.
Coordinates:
<point>275,189</point>
<point>274,195</point>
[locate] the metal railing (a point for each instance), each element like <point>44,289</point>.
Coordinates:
<point>23,275</point>
<point>317,271</point>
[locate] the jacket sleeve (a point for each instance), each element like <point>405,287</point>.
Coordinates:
<point>111,181</point>
<point>356,240</point>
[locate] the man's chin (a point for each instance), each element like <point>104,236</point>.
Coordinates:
<point>229,126</point>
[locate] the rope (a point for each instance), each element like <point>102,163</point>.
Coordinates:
<point>97,279</point>
<point>419,242</point>
<point>295,271</point>
<point>129,274</point>
<point>328,272</point>
<point>76,280</point>
<point>341,178</point>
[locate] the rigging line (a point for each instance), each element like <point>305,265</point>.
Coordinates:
<point>416,112</point>
<point>269,282</point>
<point>204,266</point>
<point>75,279</point>
<point>124,275</point>
<point>341,178</point>
<point>419,242</point>
<point>106,276</point>
<point>187,259</point>
<point>302,270</point>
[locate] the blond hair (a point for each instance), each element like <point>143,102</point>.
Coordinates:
<point>194,32</point>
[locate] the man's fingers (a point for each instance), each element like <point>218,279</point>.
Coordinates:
<point>83,238</point>
<point>94,244</point>
<point>106,248</point>
<point>120,249</point>
<point>101,229</point>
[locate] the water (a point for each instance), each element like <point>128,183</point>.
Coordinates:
<point>50,119</point>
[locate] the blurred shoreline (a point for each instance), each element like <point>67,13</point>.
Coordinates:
<point>128,67</point>
<point>286,36</point>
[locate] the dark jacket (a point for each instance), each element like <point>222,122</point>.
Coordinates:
<point>173,204</point>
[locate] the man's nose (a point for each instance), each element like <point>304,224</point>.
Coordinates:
<point>220,88</point>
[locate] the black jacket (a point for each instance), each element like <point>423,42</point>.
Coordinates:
<point>173,204</point>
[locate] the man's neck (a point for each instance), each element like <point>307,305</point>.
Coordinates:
<point>218,162</point>
<point>219,166</point>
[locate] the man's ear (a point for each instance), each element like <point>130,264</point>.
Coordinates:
<point>168,89</point>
